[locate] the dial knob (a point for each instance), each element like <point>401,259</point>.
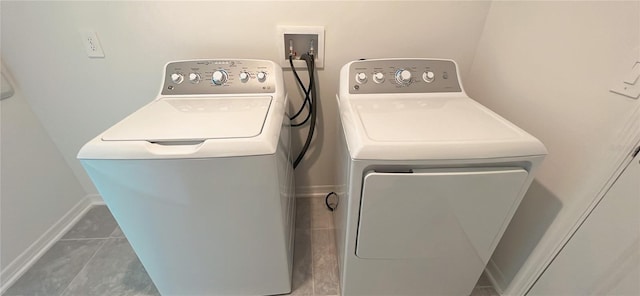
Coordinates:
<point>428,76</point>
<point>361,78</point>
<point>177,78</point>
<point>219,77</point>
<point>262,76</point>
<point>403,76</point>
<point>244,76</point>
<point>378,77</point>
<point>194,77</point>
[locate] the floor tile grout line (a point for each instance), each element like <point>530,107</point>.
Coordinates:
<point>313,273</point>
<point>102,243</point>
<point>337,267</point>
<point>82,239</point>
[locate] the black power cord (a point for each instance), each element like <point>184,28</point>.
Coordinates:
<point>310,99</point>
<point>331,204</point>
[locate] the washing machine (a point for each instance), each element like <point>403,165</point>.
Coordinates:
<point>200,179</point>
<point>428,179</point>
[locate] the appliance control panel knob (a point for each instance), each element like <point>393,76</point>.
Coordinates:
<point>177,78</point>
<point>361,78</point>
<point>244,76</point>
<point>219,77</point>
<point>262,76</point>
<point>400,76</point>
<point>403,76</point>
<point>194,77</point>
<point>378,77</point>
<point>428,76</point>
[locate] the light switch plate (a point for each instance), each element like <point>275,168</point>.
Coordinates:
<point>92,44</point>
<point>631,91</point>
<point>630,84</point>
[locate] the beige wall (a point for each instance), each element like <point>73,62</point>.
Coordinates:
<point>548,67</point>
<point>37,187</point>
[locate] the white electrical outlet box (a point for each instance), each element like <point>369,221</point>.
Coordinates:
<point>92,44</point>
<point>302,39</point>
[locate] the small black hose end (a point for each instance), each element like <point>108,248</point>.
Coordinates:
<point>333,203</point>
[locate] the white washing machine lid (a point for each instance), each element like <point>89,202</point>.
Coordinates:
<point>430,120</point>
<point>430,127</point>
<point>187,119</point>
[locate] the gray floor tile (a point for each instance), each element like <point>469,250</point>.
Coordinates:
<point>114,270</point>
<point>302,281</point>
<point>325,263</point>
<point>303,213</point>
<point>53,272</point>
<point>97,223</point>
<point>321,217</point>
<point>483,281</point>
<point>81,266</point>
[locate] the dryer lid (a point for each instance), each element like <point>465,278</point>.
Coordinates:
<point>193,119</point>
<point>431,120</point>
<point>430,127</point>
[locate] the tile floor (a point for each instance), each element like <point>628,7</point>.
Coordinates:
<point>94,258</point>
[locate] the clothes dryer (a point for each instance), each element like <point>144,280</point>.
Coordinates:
<point>200,179</point>
<point>428,179</point>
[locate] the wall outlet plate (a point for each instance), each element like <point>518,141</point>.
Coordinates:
<point>301,37</point>
<point>91,44</point>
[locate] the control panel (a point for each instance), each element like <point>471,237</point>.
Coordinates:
<point>403,76</point>
<point>201,77</point>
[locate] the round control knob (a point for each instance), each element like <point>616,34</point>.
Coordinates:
<point>177,78</point>
<point>361,78</point>
<point>403,76</point>
<point>262,76</point>
<point>428,76</point>
<point>194,77</point>
<point>378,77</point>
<point>244,76</point>
<point>219,77</point>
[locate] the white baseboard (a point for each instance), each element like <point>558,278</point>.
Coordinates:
<point>95,199</point>
<point>14,270</point>
<point>495,276</point>
<point>314,191</point>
